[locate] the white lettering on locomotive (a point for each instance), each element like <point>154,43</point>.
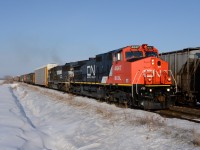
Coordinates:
<point>91,71</point>
<point>118,68</point>
<point>151,73</point>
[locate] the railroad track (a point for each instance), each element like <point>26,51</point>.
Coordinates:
<point>185,113</point>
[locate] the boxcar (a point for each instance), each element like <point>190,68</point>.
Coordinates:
<point>41,74</point>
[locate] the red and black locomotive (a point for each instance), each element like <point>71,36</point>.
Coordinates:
<point>132,75</point>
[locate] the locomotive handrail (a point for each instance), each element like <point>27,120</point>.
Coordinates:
<point>176,87</point>
<point>174,80</point>
<point>138,80</point>
<point>134,80</point>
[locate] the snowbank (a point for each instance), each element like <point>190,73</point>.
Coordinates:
<point>40,118</point>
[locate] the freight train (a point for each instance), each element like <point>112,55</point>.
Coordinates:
<point>133,75</point>
<point>185,66</point>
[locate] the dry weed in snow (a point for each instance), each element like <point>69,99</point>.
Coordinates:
<point>196,138</point>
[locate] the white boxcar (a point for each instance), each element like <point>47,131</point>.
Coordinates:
<point>41,74</point>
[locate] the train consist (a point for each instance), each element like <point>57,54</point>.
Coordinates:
<point>185,67</point>
<point>133,75</point>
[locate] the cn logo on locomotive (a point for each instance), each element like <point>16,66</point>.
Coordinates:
<point>151,73</point>
<point>91,71</point>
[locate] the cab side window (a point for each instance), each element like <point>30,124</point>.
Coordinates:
<point>118,56</point>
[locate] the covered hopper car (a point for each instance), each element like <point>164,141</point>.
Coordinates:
<point>185,66</point>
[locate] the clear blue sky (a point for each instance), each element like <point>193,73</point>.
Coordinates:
<point>36,32</point>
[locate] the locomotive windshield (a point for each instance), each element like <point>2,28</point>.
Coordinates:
<point>150,54</point>
<point>132,54</point>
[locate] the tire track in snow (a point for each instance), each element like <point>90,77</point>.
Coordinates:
<point>21,109</point>
<point>23,113</point>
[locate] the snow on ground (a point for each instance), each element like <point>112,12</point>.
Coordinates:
<point>34,118</point>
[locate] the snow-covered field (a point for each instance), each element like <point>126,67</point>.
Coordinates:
<point>34,118</point>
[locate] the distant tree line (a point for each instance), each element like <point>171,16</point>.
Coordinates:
<point>7,79</point>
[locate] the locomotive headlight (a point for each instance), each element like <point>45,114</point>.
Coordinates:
<point>169,79</point>
<point>152,61</point>
<point>168,89</point>
<point>150,90</point>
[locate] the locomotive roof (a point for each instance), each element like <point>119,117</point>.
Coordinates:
<point>180,51</point>
<point>107,52</point>
<point>113,51</point>
<point>76,63</point>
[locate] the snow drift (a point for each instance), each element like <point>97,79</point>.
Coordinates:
<point>39,118</point>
